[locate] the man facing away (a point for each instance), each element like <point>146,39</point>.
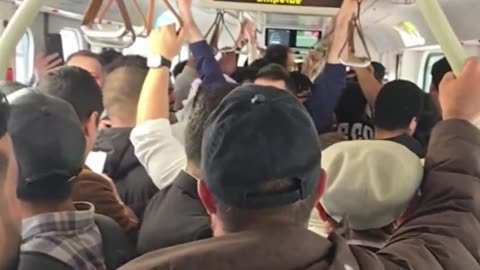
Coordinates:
<point>175,215</point>
<point>78,87</point>
<point>9,218</point>
<point>371,184</point>
<point>397,109</point>
<point>121,92</point>
<point>262,178</point>
<point>49,144</point>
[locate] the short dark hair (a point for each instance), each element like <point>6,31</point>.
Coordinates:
<point>274,72</point>
<point>236,219</point>
<point>77,87</point>
<point>397,104</point>
<point>128,60</point>
<point>8,88</point>
<point>439,69</point>
<point>244,74</point>
<point>379,71</point>
<point>121,91</point>
<point>299,83</point>
<point>178,69</point>
<point>352,103</point>
<point>108,56</point>
<point>277,54</point>
<point>4,116</point>
<point>206,100</point>
<point>85,53</point>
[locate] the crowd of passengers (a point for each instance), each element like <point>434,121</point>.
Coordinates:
<point>108,163</point>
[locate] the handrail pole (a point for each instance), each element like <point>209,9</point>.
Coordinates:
<point>16,28</point>
<point>443,32</point>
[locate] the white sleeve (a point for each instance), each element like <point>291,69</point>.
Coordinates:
<point>159,151</point>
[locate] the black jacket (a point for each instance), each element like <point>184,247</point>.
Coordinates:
<point>411,143</point>
<point>131,179</point>
<point>174,216</point>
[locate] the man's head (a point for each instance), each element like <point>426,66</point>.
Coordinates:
<point>398,106</point>
<point>439,69</point>
<point>207,99</point>
<point>260,161</point>
<point>49,145</point>
<point>121,93</point>
<point>89,62</point>
<point>372,198</point>
<point>9,218</point>
<point>273,75</point>
<point>300,85</point>
<point>77,87</point>
<point>281,55</point>
<point>127,61</point>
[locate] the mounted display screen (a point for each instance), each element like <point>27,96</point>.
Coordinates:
<point>302,3</point>
<point>306,39</point>
<point>279,37</point>
<point>292,38</point>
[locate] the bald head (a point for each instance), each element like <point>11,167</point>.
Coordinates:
<point>121,92</point>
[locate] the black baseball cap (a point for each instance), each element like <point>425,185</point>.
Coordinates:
<point>47,137</point>
<point>257,135</point>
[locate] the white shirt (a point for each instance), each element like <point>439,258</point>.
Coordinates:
<point>159,151</point>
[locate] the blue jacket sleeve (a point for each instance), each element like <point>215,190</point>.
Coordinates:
<point>205,63</point>
<point>326,92</point>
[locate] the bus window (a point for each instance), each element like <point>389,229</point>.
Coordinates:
<point>71,41</point>
<point>24,59</point>
<point>432,58</point>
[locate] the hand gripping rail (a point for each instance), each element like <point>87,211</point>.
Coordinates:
<point>103,35</point>
<point>215,31</point>
<point>353,61</point>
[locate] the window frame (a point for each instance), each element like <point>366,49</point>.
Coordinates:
<point>29,58</point>
<point>430,60</point>
<point>79,40</point>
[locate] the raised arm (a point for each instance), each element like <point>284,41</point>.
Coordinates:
<point>328,87</point>
<point>444,231</point>
<point>369,84</point>
<point>155,146</point>
<point>207,66</point>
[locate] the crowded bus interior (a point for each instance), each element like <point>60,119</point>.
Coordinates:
<point>239,135</point>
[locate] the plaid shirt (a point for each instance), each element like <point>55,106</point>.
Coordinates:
<point>71,237</point>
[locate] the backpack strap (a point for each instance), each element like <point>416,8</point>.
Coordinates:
<point>38,260</point>
<point>117,250</point>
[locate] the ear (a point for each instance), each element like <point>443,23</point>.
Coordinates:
<point>91,125</point>
<point>206,197</point>
<point>413,125</point>
<point>322,187</point>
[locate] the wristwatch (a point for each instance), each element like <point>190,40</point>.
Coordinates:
<point>158,61</point>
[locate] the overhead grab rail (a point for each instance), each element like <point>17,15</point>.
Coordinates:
<point>355,61</point>
<point>215,30</point>
<point>98,34</point>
